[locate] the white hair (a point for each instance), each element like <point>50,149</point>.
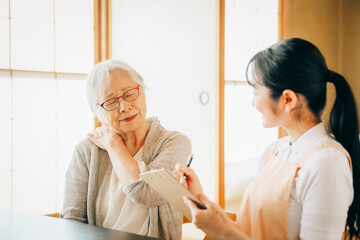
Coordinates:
<point>99,79</point>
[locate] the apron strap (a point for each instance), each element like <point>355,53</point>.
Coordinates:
<point>274,151</point>
<point>332,144</point>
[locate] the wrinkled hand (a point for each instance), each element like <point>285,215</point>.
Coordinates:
<point>192,181</point>
<point>103,137</point>
<point>212,220</point>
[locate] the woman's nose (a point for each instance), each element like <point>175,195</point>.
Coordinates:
<point>124,106</point>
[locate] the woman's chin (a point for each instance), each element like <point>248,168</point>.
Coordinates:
<point>269,125</point>
<point>266,124</point>
<point>127,127</point>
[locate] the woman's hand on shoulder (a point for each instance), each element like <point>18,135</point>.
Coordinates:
<point>192,181</point>
<point>104,137</point>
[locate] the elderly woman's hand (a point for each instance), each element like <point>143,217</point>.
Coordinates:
<point>104,137</point>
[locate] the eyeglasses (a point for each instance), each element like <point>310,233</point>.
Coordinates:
<point>128,96</point>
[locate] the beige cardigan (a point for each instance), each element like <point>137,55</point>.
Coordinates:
<point>90,166</point>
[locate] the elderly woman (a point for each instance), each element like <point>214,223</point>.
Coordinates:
<point>103,187</point>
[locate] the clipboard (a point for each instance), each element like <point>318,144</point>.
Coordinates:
<point>171,190</point>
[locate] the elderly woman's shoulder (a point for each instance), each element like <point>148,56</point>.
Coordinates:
<point>175,139</point>
<point>177,135</point>
<point>86,145</point>
<point>158,132</point>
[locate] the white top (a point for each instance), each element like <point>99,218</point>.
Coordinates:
<point>323,190</point>
<point>118,211</point>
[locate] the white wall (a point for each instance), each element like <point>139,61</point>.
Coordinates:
<point>42,115</point>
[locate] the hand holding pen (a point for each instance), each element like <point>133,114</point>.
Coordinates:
<point>190,158</point>
<point>191,181</point>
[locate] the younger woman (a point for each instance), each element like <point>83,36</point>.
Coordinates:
<point>308,183</point>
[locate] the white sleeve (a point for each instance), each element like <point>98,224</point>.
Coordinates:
<point>324,186</point>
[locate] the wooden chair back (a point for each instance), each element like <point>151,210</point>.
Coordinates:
<point>55,215</point>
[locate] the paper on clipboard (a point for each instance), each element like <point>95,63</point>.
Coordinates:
<point>170,189</point>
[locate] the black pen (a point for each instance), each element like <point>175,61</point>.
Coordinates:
<point>190,158</point>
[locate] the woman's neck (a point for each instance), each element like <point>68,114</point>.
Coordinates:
<point>134,140</point>
<point>297,129</point>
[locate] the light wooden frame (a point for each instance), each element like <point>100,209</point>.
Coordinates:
<point>281,131</point>
<point>220,107</point>
<point>102,34</point>
<point>102,30</point>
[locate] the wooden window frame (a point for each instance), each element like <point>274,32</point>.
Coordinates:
<point>220,165</point>
<point>102,35</point>
<point>220,106</point>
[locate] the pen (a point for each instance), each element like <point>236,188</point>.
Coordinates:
<point>190,158</point>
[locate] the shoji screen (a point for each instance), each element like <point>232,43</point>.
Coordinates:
<point>46,52</point>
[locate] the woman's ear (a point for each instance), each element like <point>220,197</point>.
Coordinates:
<point>291,100</point>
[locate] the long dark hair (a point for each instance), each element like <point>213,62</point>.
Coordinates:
<point>298,65</point>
